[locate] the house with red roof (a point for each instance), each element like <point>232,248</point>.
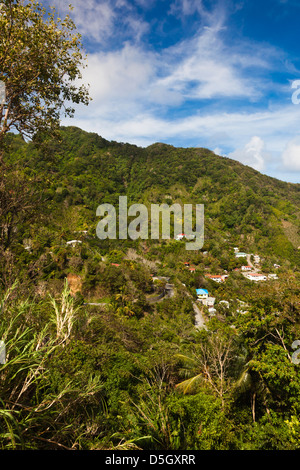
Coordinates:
<point>246,268</point>
<point>216,277</point>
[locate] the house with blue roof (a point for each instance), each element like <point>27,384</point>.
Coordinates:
<point>202,294</point>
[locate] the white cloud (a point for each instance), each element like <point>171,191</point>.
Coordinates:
<point>136,89</point>
<point>134,79</point>
<point>206,67</point>
<point>218,151</point>
<point>187,7</point>
<point>291,155</point>
<point>203,67</point>
<point>142,126</point>
<point>182,8</point>
<point>93,19</point>
<point>124,74</point>
<point>253,154</point>
<point>103,20</point>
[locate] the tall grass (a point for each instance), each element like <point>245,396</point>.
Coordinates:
<point>32,410</point>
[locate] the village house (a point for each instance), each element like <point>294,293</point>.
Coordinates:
<point>256,277</point>
<point>240,254</point>
<point>73,242</point>
<point>246,268</point>
<point>209,301</point>
<point>202,294</point>
<point>204,297</point>
<point>216,277</point>
<point>181,236</point>
<point>272,276</point>
<point>212,311</point>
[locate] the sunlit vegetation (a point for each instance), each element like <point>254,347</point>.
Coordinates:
<point>92,361</point>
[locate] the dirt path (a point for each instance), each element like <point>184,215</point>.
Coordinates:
<point>199,318</point>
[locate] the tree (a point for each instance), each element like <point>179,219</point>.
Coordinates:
<point>18,202</point>
<point>209,365</point>
<point>40,61</point>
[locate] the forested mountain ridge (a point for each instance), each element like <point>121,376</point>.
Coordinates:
<point>83,169</point>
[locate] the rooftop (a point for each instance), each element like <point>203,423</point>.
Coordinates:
<point>202,291</point>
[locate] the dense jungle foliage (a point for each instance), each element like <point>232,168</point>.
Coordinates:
<point>93,359</point>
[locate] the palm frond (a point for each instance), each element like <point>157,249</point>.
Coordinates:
<point>188,385</point>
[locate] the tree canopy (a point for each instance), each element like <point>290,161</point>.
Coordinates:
<point>40,62</point>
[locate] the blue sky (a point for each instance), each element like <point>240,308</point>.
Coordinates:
<point>195,73</point>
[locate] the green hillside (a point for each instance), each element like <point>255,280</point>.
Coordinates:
<point>107,345</point>
<point>242,206</point>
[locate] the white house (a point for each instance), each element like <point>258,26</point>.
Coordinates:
<point>181,236</point>
<point>209,301</point>
<point>216,277</point>
<point>74,242</point>
<point>246,268</point>
<point>202,294</point>
<point>272,276</point>
<point>256,277</point>
<point>240,254</point>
